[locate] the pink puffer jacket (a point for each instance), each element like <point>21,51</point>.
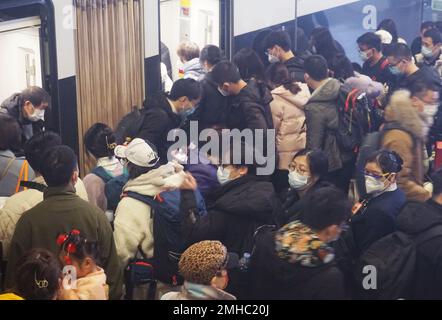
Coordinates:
<point>289,122</point>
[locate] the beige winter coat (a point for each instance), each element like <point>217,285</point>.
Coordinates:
<point>289,122</point>
<point>133,225</point>
<point>408,144</point>
<point>20,202</point>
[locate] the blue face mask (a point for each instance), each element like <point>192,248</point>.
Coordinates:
<point>188,112</point>
<point>395,70</point>
<point>223,175</point>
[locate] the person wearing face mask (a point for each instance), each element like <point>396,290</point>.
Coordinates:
<point>431,53</point>
<point>61,211</point>
<point>278,47</point>
<point>375,216</point>
<point>297,262</point>
<point>413,114</point>
<point>375,64</point>
<point>166,112</point>
<point>205,267</point>
<point>416,45</point>
<point>406,71</point>
<point>28,108</point>
<point>249,106</point>
<point>321,117</point>
<point>148,182</point>
<point>213,105</point>
<point>243,203</point>
<point>306,174</point>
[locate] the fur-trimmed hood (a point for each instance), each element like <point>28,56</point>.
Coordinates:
<point>401,110</point>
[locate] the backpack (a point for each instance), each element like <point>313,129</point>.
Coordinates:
<point>113,186</point>
<point>372,143</point>
<point>353,119</point>
<point>129,125</point>
<point>169,242</point>
<point>394,258</point>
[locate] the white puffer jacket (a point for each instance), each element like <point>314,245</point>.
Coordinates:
<point>132,225</point>
<point>21,202</point>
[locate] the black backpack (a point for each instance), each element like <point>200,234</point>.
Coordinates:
<point>129,125</point>
<point>394,258</point>
<point>167,233</point>
<point>354,119</point>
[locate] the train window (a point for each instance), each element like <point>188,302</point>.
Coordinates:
<point>20,55</point>
<point>181,20</point>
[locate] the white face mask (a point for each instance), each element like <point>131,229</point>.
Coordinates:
<point>273,59</point>
<point>297,181</point>
<point>427,52</point>
<point>430,110</point>
<point>223,175</point>
<point>223,92</point>
<point>373,185</point>
<point>37,115</point>
<point>363,55</point>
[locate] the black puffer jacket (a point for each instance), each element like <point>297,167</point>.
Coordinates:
<point>291,207</point>
<point>273,278</point>
<point>250,108</point>
<point>295,66</point>
<point>241,207</point>
<point>417,218</point>
<point>158,120</point>
<point>212,107</point>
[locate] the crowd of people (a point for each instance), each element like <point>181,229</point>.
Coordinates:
<point>354,181</point>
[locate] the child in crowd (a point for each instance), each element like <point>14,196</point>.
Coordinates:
<point>88,281</point>
<point>105,182</point>
<point>38,277</point>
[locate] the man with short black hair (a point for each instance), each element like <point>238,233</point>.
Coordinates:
<point>28,108</point>
<point>431,53</point>
<point>22,201</point>
<point>416,45</point>
<point>375,64</point>
<point>407,72</point>
<point>165,112</point>
<point>249,107</point>
<point>278,45</point>
<point>60,212</point>
<point>321,117</point>
<point>425,220</point>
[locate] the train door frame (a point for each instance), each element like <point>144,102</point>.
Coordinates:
<point>44,9</point>
<point>153,82</point>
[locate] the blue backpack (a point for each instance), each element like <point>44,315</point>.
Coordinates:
<point>113,186</point>
<point>169,242</point>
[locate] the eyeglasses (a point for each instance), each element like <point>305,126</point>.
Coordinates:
<point>376,175</point>
<point>299,170</point>
<point>395,64</point>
